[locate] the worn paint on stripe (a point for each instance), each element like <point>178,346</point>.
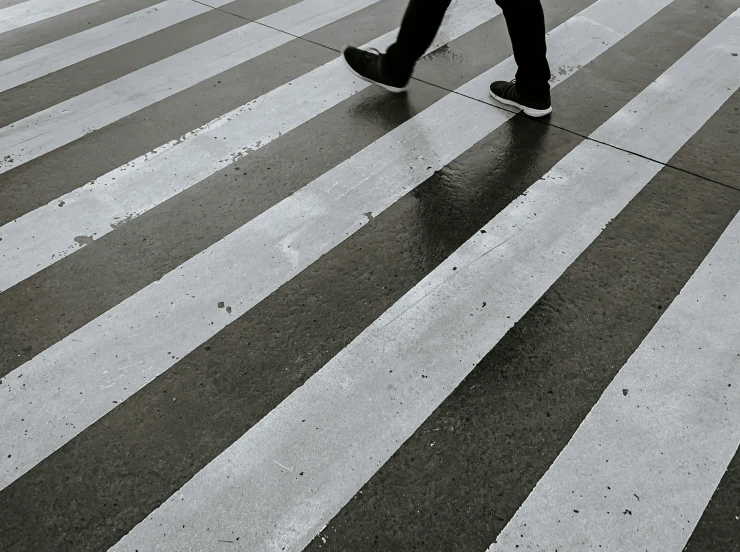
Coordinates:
<point>51,128</point>
<point>33,11</point>
<point>50,233</point>
<point>67,51</point>
<point>297,467</point>
<point>644,463</point>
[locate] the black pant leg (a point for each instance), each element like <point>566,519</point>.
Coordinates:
<point>526,23</point>
<point>418,28</point>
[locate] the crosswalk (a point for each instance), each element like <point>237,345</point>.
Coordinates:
<point>62,53</point>
<point>323,317</point>
<point>32,11</point>
<point>673,450</point>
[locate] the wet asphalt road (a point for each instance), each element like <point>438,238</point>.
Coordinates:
<point>174,305</point>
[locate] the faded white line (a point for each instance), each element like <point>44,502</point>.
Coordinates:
<point>349,418</point>
<point>642,466</point>
<point>48,234</point>
<point>63,123</point>
<point>72,49</point>
<point>33,11</point>
<point>243,268</point>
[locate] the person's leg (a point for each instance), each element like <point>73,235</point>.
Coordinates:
<point>531,91</point>
<point>418,28</point>
<point>393,69</point>
<point>526,23</point>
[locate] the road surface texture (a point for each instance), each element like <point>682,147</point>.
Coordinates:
<point>250,302</point>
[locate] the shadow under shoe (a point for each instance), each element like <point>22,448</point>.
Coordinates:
<point>368,66</point>
<point>534,105</point>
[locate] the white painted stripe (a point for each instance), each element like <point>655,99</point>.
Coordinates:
<point>101,381</point>
<point>7,3</point>
<point>644,463</point>
<point>67,51</point>
<point>119,352</point>
<point>349,418</point>
<point>63,123</point>
<point>33,11</point>
<point>50,233</point>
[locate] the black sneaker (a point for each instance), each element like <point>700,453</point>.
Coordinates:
<point>368,65</point>
<point>534,106</point>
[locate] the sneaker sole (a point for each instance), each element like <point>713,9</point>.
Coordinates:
<point>527,110</point>
<point>389,88</point>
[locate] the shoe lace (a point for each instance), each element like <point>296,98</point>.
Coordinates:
<point>372,53</point>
